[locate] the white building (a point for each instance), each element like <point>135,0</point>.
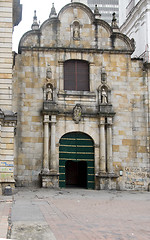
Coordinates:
<point>134,21</point>
<point>105,7</point>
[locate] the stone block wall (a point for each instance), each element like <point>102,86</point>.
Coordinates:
<point>129,100</point>
<point>6,54</point>
<point>128,89</point>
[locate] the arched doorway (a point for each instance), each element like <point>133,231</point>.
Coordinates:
<point>76,161</point>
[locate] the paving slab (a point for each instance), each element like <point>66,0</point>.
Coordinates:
<point>78,214</point>
<point>5,210</point>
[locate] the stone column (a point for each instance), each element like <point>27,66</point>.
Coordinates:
<point>61,76</point>
<point>91,77</point>
<point>109,145</point>
<point>102,145</point>
<point>53,144</point>
<point>46,143</point>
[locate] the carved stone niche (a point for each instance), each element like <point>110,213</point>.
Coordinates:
<point>76,30</point>
<point>104,94</point>
<point>48,92</point>
<point>104,99</point>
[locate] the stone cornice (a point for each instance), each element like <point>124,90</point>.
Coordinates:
<point>81,50</point>
<point>8,117</point>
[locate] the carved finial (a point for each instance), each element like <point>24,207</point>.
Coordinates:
<point>96,12</point>
<point>35,25</point>
<point>114,22</point>
<point>133,43</point>
<point>53,12</point>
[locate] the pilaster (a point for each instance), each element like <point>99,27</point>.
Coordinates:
<point>102,145</point>
<point>46,144</point>
<point>53,144</point>
<point>109,145</point>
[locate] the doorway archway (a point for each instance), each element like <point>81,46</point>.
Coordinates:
<point>76,161</point>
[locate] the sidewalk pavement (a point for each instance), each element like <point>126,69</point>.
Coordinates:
<point>5,212</point>
<point>78,214</point>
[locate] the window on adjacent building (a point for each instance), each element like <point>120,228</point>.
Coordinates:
<point>76,75</point>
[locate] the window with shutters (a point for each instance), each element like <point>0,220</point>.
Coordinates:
<point>76,75</point>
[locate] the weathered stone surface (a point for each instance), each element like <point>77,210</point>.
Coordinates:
<point>128,108</point>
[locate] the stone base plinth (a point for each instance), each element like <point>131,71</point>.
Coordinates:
<point>3,185</point>
<point>49,179</point>
<point>107,181</point>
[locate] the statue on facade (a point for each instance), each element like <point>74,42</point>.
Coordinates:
<point>49,92</point>
<point>104,96</point>
<point>77,113</point>
<point>76,30</point>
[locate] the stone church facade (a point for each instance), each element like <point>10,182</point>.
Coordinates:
<point>82,104</point>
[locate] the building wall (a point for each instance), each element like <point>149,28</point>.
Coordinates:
<point>7,117</point>
<point>106,8</point>
<point>129,99</point>
<point>136,25</point>
<point>6,55</point>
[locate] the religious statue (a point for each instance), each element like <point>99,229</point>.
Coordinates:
<point>49,92</point>
<point>104,96</point>
<point>76,30</point>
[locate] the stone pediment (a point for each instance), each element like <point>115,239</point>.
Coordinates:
<point>76,27</point>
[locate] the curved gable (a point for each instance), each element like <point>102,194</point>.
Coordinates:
<point>77,27</point>
<point>30,39</point>
<point>80,6</point>
<point>122,42</point>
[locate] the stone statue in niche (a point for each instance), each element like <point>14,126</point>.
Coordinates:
<point>76,30</point>
<point>77,113</point>
<point>48,73</point>
<point>49,92</point>
<point>104,96</point>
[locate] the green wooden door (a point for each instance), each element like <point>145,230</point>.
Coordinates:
<point>77,147</point>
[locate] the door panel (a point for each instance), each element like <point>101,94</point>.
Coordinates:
<point>77,148</point>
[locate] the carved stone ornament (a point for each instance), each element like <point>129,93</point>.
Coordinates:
<point>48,73</point>
<point>103,76</point>
<point>77,113</point>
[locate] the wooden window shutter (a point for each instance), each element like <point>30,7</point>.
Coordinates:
<point>76,75</point>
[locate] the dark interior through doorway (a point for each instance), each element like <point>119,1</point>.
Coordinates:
<point>76,174</point>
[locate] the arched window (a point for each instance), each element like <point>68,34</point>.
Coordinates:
<point>76,75</point>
